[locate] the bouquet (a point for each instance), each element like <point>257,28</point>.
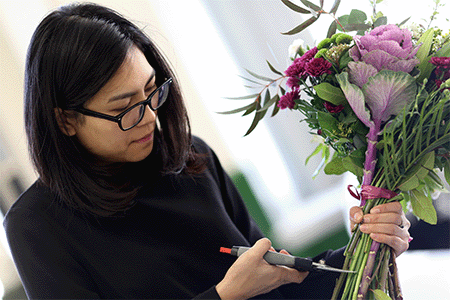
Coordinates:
<point>380,102</point>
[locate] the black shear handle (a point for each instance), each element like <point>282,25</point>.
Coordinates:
<point>303,264</point>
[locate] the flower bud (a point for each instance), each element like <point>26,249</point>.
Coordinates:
<point>296,48</point>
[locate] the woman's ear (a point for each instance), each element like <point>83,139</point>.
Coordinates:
<point>66,121</point>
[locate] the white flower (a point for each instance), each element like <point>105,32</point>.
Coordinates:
<point>295,47</point>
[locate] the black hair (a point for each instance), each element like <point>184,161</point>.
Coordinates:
<point>73,53</point>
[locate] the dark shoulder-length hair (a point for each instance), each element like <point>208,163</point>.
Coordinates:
<point>74,51</point>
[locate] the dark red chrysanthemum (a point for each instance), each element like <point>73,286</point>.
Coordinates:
<point>309,54</point>
<point>293,82</point>
<point>288,100</point>
<point>441,62</point>
<point>442,69</point>
<point>318,66</point>
<point>297,68</point>
<point>333,108</point>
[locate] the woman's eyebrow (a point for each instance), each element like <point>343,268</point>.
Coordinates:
<point>131,94</point>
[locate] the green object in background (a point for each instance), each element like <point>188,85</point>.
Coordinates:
<point>252,203</point>
<point>335,240</point>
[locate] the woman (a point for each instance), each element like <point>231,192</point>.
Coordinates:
<point>128,204</point>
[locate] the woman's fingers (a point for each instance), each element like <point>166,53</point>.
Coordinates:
<point>386,224</point>
<point>251,275</point>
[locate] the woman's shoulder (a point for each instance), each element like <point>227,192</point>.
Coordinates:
<point>200,146</point>
<point>33,201</point>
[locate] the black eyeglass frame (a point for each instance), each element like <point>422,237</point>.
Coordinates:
<point>118,118</point>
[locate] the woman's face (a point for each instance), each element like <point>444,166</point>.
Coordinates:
<point>132,83</point>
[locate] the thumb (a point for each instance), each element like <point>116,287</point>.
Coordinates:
<point>260,248</point>
<point>356,216</point>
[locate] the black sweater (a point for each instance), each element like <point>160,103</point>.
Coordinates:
<point>166,246</point>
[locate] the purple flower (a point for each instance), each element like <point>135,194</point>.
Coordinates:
<point>378,84</point>
<point>288,100</point>
<point>318,66</point>
<point>386,47</point>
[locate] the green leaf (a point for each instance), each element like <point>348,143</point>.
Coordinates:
<point>259,76</point>
<point>330,93</point>
<point>444,51</point>
<point>237,110</point>
<point>343,21</point>
<point>327,122</point>
<point>335,6</point>
<point>276,109</point>
<point>252,108</point>
<point>266,97</point>
<point>269,103</point>
<point>295,8</point>
<point>425,66</point>
<point>353,166</point>
<point>423,206</point>
<point>273,69</point>
<point>447,171</point>
<point>344,60</point>
<point>357,17</point>
<point>332,29</point>
<point>253,81</point>
<point>417,172</point>
<point>316,151</point>
<point>353,27</point>
<point>335,167</point>
<point>256,119</point>
<point>380,21</point>
<point>311,5</point>
<point>243,97</point>
<point>403,22</point>
<point>301,27</point>
<point>380,295</point>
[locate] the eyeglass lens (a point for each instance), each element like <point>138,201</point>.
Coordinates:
<point>134,116</point>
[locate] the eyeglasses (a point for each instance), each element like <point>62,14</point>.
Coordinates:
<point>133,115</point>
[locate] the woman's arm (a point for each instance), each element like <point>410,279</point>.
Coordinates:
<point>45,265</point>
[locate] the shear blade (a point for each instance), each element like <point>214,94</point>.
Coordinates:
<point>328,268</point>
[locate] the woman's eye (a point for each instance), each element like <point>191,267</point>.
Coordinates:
<point>120,109</point>
<point>149,90</point>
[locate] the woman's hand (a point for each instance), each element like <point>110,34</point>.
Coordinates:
<point>386,224</point>
<point>251,275</point>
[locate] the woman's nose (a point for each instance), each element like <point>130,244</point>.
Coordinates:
<point>149,116</point>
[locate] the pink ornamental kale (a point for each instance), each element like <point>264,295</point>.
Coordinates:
<point>377,86</point>
<point>386,47</point>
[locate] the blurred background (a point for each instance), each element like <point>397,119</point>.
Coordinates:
<point>210,43</point>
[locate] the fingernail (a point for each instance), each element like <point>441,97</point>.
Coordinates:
<point>363,228</point>
<point>374,211</point>
<point>410,239</point>
<point>356,217</point>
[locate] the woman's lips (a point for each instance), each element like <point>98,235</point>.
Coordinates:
<point>145,138</point>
